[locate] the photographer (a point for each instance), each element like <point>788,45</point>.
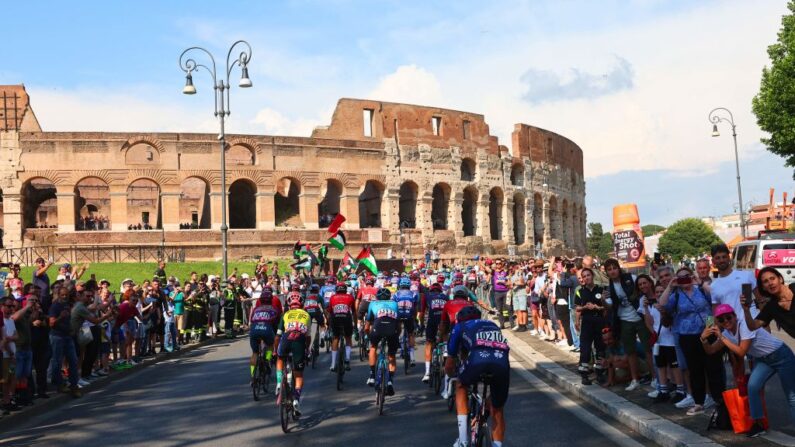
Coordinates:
<point>690,306</point>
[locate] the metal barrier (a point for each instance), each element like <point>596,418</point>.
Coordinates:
<point>93,254</point>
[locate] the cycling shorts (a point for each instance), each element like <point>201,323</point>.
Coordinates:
<point>317,315</point>
<point>362,311</point>
<point>295,347</point>
<point>431,330</point>
<point>342,325</point>
<point>266,335</point>
<point>470,372</point>
<point>385,328</point>
<point>408,324</point>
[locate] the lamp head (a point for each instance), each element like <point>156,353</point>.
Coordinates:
<point>715,132</point>
<point>189,89</point>
<point>245,81</point>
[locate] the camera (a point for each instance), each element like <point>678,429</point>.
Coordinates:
<point>684,280</point>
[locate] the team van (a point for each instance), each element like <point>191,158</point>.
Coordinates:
<point>772,249</point>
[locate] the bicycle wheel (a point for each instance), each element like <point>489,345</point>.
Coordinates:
<point>255,379</point>
<point>284,407</point>
<point>405,354</point>
<point>382,391</point>
<point>315,351</point>
<point>340,366</point>
<point>265,378</point>
<point>451,397</point>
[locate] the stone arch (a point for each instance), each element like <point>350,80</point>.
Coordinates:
<point>143,204</point>
<point>194,203</point>
<point>240,155</point>
<point>370,199</point>
<point>287,202</point>
<point>469,209</point>
<point>495,212</point>
<point>407,213</point>
<point>329,206</point>
<point>468,170</point>
<point>440,205</point>
<point>519,230</point>
<point>243,204</point>
<point>144,139</point>
<point>554,218</point>
<point>39,203</point>
<point>142,153</point>
<point>92,204</point>
<point>517,174</point>
<point>538,218</point>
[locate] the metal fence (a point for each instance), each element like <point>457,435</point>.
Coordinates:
<point>93,254</point>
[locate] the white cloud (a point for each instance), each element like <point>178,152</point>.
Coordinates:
<point>270,122</point>
<point>409,84</point>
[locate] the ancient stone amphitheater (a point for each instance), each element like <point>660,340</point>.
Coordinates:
<point>406,177</point>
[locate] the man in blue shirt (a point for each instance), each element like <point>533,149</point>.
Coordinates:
<point>483,350</point>
<point>407,302</point>
<point>382,322</point>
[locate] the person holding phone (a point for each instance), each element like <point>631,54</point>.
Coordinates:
<point>689,303</point>
<point>727,287</point>
<point>778,308</point>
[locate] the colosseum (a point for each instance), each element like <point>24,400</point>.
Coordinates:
<point>407,178</point>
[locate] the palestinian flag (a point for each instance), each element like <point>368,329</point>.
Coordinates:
<point>336,223</point>
<point>312,257</point>
<point>322,253</point>
<point>303,264</point>
<point>338,240</point>
<point>299,250</point>
<point>347,264</point>
<point>367,259</point>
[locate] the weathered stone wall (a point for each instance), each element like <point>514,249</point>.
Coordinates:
<point>422,176</point>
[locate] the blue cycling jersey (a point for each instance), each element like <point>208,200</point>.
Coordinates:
<point>326,292</point>
<point>382,309</point>
<point>406,302</point>
<point>434,305</point>
<point>482,340</point>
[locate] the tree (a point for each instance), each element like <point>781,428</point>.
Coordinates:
<point>598,243</point>
<point>773,104</point>
<point>687,237</point>
<point>652,229</point>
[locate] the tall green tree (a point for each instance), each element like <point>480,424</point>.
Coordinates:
<point>774,105</point>
<point>598,243</point>
<point>687,237</point>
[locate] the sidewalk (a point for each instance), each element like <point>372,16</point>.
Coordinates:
<point>58,399</point>
<point>662,423</point>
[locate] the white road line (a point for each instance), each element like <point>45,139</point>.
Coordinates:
<point>576,409</point>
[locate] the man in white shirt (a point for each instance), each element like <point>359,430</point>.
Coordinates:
<point>727,287</point>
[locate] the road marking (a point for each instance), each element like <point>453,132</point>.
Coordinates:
<point>581,413</point>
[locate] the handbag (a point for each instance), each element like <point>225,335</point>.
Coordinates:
<point>740,412</point>
<point>84,336</point>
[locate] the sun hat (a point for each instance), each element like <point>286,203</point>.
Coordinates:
<point>723,309</point>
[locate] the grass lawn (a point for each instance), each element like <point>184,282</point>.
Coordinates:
<point>116,272</point>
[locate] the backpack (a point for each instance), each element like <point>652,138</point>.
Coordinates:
<point>720,419</point>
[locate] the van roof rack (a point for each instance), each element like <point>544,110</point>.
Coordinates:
<point>775,234</point>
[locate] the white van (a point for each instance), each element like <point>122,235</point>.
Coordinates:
<point>772,249</point>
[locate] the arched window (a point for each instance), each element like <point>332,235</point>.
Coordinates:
<point>370,205</point>
<point>440,206</point>
<point>408,205</point>
<point>92,204</point>
<point>143,204</point>
<point>194,203</point>
<point>468,170</point>
<point>242,204</point>
<point>495,213</point>
<point>286,202</point>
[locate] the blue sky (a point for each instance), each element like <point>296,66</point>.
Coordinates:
<point>631,82</point>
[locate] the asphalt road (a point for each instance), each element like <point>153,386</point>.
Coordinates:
<point>204,398</point>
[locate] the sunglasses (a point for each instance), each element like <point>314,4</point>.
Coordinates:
<point>724,318</point>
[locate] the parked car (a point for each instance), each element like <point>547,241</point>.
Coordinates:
<point>772,249</point>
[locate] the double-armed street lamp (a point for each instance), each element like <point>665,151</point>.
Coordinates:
<point>716,116</point>
<point>221,89</point>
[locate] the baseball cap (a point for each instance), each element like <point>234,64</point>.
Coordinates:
<point>104,281</point>
<point>723,309</point>
<point>244,276</point>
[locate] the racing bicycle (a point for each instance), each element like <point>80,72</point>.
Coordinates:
<point>437,372</point>
<point>285,399</point>
<point>478,416</point>
<point>262,375</point>
<point>381,376</point>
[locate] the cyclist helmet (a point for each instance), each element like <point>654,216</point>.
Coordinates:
<point>458,275</point>
<point>383,294</point>
<point>353,276</point>
<point>341,288</point>
<point>440,278</point>
<point>414,277</point>
<point>314,289</point>
<point>369,280</point>
<point>436,287</point>
<point>458,282</point>
<point>295,287</point>
<point>267,293</point>
<point>294,300</point>
<point>404,283</point>
<point>331,280</point>
<point>467,313</point>
<point>460,292</point>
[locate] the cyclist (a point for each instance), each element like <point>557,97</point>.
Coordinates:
<point>313,307</point>
<point>382,322</point>
<point>365,296</point>
<point>433,303</point>
<point>483,350</point>
<point>293,337</point>
<point>328,289</point>
<point>341,319</point>
<point>461,299</point>
<point>407,311</point>
<point>263,318</point>
<point>472,279</point>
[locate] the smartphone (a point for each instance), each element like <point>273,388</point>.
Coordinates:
<point>683,280</point>
<point>710,321</point>
<point>748,293</point>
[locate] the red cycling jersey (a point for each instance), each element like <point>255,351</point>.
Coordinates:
<point>340,304</point>
<point>367,293</point>
<point>451,309</point>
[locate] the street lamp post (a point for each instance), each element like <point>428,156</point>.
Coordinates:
<point>715,117</point>
<point>221,89</point>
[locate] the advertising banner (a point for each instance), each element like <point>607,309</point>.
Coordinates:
<point>628,237</point>
<point>779,258</point>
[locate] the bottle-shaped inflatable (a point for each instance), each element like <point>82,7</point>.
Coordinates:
<point>628,237</point>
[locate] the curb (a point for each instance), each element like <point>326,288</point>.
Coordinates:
<point>57,399</point>
<point>649,425</point>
